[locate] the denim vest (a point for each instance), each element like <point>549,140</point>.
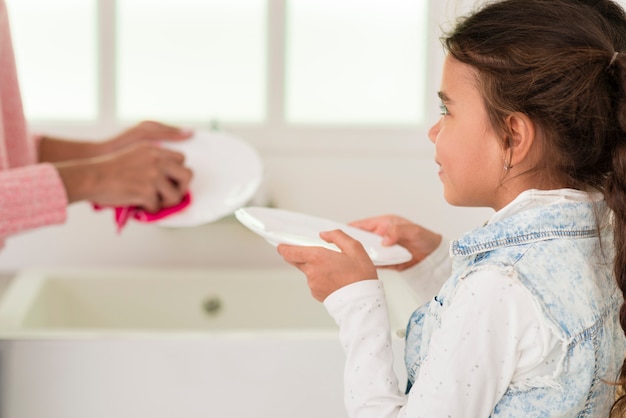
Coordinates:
<point>554,251</point>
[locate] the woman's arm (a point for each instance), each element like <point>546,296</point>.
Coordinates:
<point>129,169</point>
<point>30,197</point>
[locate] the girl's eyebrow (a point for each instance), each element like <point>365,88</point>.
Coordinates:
<point>444,97</point>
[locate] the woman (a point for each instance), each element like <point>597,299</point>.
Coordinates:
<point>40,176</point>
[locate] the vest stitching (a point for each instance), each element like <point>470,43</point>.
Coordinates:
<point>519,239</point>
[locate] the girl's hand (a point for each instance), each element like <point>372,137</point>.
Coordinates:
<point>396,230</point>
<point>327,270</point>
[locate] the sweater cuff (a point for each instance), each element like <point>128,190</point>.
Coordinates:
<point>342,299</point>
<point>31,197</point>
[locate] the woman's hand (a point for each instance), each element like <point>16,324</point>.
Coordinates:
<point>56,150</point>
<point>396,230</point>
<point>327,270</point>
<point>142,174</point>
<point>147,131</point>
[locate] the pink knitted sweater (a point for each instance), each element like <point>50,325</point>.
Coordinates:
<point>31,194</point>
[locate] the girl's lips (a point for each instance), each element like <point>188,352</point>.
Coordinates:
<point>440,172</point>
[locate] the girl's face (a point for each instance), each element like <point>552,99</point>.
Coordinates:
<point>467,150</point>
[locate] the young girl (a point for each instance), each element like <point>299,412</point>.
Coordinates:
<point>526,323</point>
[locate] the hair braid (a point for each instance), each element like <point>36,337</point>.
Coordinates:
<point>616,200</point>
<point>615,195</point>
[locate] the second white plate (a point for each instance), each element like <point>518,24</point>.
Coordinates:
<point>280,226</point>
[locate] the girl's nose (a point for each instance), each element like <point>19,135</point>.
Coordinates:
<point>434,131</point>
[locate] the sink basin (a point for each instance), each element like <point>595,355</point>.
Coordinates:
<point>43,302</point>
<point>174,342</point>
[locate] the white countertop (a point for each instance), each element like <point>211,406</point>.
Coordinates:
<point>5,280</point>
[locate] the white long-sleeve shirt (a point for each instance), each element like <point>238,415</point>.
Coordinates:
<point>492,336</point>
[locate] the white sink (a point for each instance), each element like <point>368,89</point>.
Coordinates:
<point>175,342</point>
<point>42,302</point>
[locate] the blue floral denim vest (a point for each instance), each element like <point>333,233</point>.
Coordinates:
<point>555,252</point>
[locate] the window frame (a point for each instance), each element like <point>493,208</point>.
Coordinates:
<point>275,136</point>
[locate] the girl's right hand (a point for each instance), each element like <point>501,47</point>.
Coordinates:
<point>396,230</point>
<point>327,270</point>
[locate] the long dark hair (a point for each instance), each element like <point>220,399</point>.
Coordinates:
<point>562,63</point>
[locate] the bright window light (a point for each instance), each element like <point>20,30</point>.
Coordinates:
<point>55,45</point>
<point>356,61</point>
<point>192,60</point>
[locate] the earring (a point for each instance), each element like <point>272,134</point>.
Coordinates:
<point>507,164</point>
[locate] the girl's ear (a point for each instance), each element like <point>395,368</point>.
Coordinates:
<point>523,136</point>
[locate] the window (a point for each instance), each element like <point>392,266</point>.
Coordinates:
<point>56,51</point>
<point>284,73</point>
<point>192,60</point>
<point>355,61</point>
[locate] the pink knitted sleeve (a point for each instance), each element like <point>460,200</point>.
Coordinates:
<point>31,194</point>
<point>30,197</point>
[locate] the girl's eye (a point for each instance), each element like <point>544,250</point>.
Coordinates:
<point>443,109</point>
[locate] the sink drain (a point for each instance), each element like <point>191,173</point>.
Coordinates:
<point>212,305</point>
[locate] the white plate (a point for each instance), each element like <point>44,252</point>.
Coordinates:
<point>280,226</point>
<point>227,173</point>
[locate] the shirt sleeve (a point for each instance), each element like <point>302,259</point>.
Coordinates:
<point>30,197</point>
<point>370,384</point>
<point>427,277</point>
<point>491,327</point>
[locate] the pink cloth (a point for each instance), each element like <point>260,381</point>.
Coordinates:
<point>31,195</point>
<point>124,213</point>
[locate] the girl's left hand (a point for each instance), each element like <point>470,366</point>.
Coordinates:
<point>327,270</point>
